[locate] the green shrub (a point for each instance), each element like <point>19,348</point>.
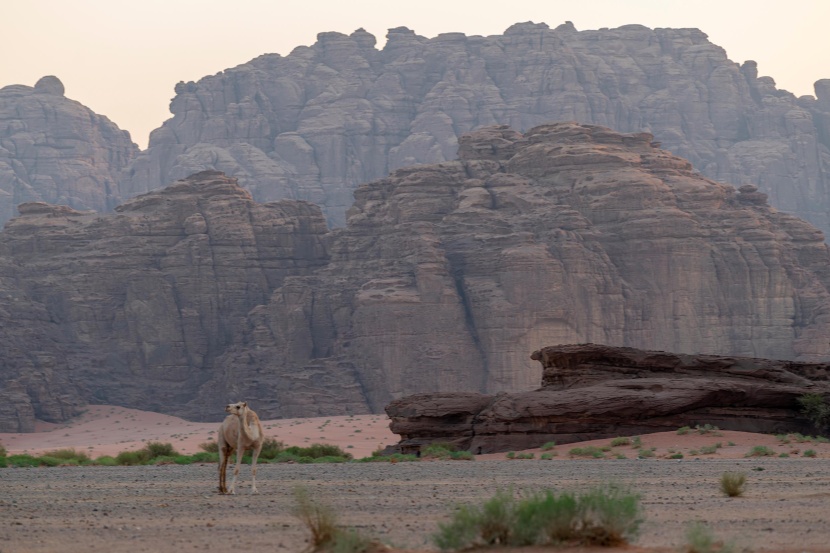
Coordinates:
<point>546,456</point>
<point>547,446</point>
<point>210,447</point>
<point>525,456</point>
<point>620,440</point>
<point>700,539</point>
<point>437,451</point>
<point>321,522</point>
<point>462,456</point>
<point>329,459</point>
<point>710,449</point>
<point>394,458</point>
<point>636,442</point>
<point>106,461</point>
<point>683,430</point>
<point>131,458</point>
<point>22,460</point>
<point>587,451</point>
<point>205,457</point>
<point>2,451</point>
<point>816,410</point>
<point>732,483</point>
<point>810,453</point>
<point>606,515</point>
<point>271,448</point>
<point>676,456</point>
<point>760,451</point>
<point>645,453</point>
<point>69,455</point>
<point>783,455</point>
<point>511,455</point>
<point>158,449</point>
<point>707,429</point>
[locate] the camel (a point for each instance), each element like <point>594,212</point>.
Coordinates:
<point>232,439</point>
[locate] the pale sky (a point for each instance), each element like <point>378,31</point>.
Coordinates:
<point>122,59</point>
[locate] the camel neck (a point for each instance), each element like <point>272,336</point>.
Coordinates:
<point>247,431</point>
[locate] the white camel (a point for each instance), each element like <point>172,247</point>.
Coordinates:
<point>240,430</point>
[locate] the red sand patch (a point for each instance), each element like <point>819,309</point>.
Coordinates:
<point>108,430</point>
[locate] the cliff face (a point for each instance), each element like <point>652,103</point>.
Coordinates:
<point>319,122</point>
<point>53,149</point>
<point>443,280</point>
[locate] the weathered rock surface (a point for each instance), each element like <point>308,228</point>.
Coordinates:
<point>321,121</point>
<point>592,391</point>
<point>53,149</point>
<point>443,279</point>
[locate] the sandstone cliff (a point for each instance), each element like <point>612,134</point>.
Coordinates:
<point>321,121</point>
<point>592,391</point>
<point>443,279</point>
<point>53,149</point>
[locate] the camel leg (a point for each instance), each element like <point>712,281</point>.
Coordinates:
<point>239,452</point>
<point>256,451</point>
<point>224,455</point>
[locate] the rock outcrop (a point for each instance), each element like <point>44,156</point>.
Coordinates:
<point>326,118</point>
<point>444,277</point>
<point>55,150</point>
<point>592,391</point>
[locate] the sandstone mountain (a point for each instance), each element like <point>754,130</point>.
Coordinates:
<point>55,150</point>
<point>444,279</point>
<point>592,391</point>
<point>317,123</point>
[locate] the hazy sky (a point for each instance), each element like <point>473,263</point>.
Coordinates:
<point>122,59</point>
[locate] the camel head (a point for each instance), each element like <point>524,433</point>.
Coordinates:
<point>238,409</point>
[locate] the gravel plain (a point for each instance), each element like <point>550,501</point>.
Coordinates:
<point>176,508</point>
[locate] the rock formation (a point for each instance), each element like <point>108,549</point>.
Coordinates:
<point>326,118</point>
<point>591,391</point>
<point>53,149</point>
<point>444,277</point>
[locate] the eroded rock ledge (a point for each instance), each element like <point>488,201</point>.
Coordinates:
<point>592,391</point>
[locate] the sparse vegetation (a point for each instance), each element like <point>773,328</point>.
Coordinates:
<point>810,453</point>
<point>606,515</point>
<point>760,451</point>
<point>683,430</point>
<point>636,442</point>
<point>676,456</point>
<point>547,446</point>
<point>645,453</point>
<point>733,483</point>
<point>620,440</point>
<point>701,539</point>
<point>321,522</point>
<point>587,451</point>
<point>442,450</point>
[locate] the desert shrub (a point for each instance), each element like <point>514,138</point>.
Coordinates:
<point>205,457</point>
<point>546,456</point>
<point>701,539</point>
<point>394,458</point>
<point>321,522</point>
<point>676,456</point>
<point>158,449</point>
<point>732,483</point>
<point>760,451</point>
<point>636,442</point>
<point>315,451</point>
<point>22,460</point>
<point>47,461</point>
<point>271,448</point>
<point>69,455</point>
<point>525,456</point>
<point>329,459</point>
<point>547,446</point>
<point>645,453</point>
<point>106,461</point>
<point>710,449</point>
<point>2,451</point>
<point>587,451</point>
<point>130,458</point>
<point>816,410</point>
<point>210,447</point>
<point>606,515</point>
<point>437,451</point>
<point>462,456</point>
<point>683,430</point>
<point>620,456</point>
<point>620,440</point>
<point>510,455</point>
<point>783,455</point>
<point>810,453</point>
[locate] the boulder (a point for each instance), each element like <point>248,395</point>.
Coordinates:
<point>592,391</point>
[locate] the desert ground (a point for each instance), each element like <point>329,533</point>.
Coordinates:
<point>176,508</point>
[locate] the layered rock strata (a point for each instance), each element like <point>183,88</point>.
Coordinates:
<point>55,150</point>
<point>592,391</point>
<point>444,277</point>
<point>317,123</point>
